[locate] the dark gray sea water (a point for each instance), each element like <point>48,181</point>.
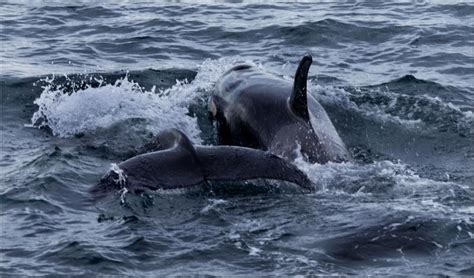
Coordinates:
<point>84,85</point>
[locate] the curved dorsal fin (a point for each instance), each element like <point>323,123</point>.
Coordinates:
<point>172,138</point>
<point>298,99</point>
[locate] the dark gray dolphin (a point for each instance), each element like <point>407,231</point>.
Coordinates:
<point>259,110</point>
<point>176,163</point>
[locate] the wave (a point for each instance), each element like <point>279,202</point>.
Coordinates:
<point>406,101</point>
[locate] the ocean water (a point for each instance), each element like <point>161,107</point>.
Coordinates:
<point>84,85</point>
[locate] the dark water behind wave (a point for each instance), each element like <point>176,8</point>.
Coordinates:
<point>396,79</point>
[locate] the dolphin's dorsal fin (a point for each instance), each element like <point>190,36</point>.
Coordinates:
<point>180,139</point>
<point>298,100</point>
<point>169,139</point>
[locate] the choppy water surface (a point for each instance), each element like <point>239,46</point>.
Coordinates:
<point>85,85</point>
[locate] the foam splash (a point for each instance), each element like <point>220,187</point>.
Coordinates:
<point>381,177</point>
<point>86,110</point>
<point>121,176</point>
<point>394,184</point>
<point>89,109</point>
<point>123,192</point>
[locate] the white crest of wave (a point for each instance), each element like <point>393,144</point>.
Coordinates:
<point>86,110</point>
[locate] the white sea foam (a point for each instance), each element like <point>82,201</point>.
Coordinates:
<point>89,109</point>
<point>122,177</point>
<point>394,181</point>
<point>122,193</point>
<point>86,110</point>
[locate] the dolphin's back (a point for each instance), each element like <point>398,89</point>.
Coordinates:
<point>251,94</point>
<point>175,163</point>
<point>326,132</point>
<point>257,103</point>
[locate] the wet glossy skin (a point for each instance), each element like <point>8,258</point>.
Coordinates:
<point>175,163</point>
<point>252,109</point>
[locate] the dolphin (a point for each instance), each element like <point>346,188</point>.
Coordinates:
<point>174,162</point>
<point>259,110</point>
